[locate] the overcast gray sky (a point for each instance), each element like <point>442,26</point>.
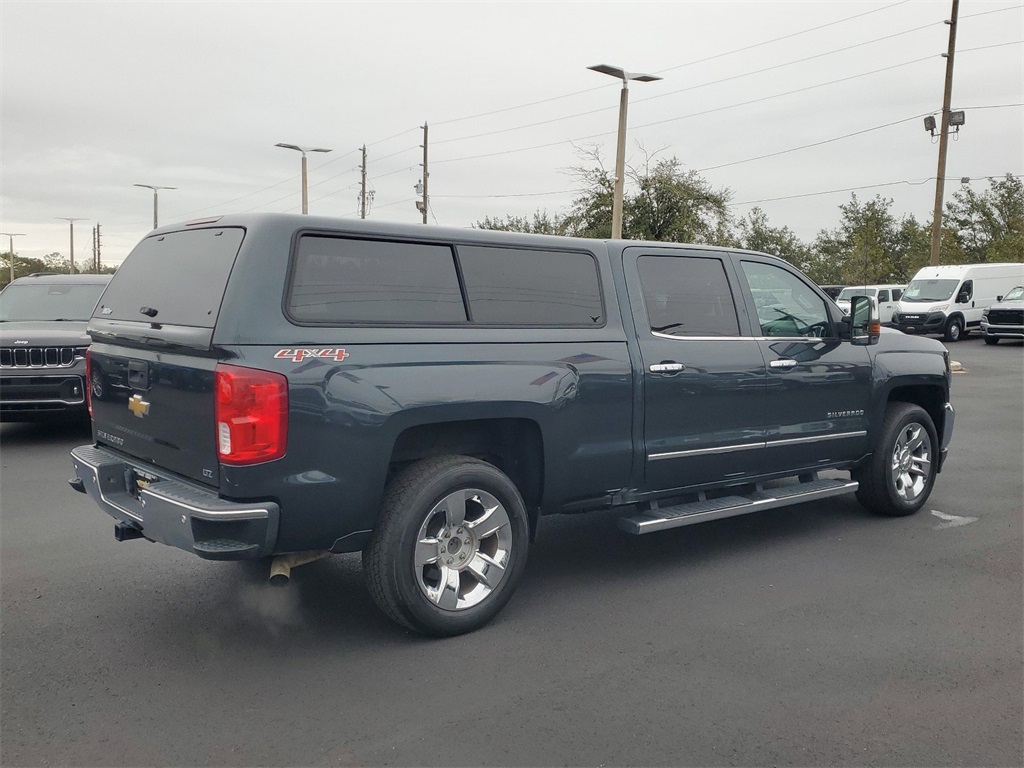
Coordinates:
<point>98,96</point>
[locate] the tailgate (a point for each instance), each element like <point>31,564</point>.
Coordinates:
<point>158,408</point>
<point>151,373</point>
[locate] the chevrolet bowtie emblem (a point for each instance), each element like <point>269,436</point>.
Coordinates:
<point>138,406</point>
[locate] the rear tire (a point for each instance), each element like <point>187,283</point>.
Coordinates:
<point>899,476</point>
<point>450,545</point>
<point>954,329</point>
<point>991,340</point>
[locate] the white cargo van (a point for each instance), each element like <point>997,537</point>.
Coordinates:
<point>949,299</point>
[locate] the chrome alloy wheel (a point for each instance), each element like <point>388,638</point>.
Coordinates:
<point>463,549</point>
<point>911,461</point>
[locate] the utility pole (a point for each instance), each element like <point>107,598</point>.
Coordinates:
<point>10,245</point>
<point>99,249</point>
<point>423,204</point>
<point>94,250</point>
<point>71,221</point>
<point>362,187</point>
<point>940,175</point>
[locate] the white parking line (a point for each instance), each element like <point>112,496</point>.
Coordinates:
<point>952,521</point>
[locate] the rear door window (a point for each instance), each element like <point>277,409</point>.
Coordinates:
<point>687,296</point>
<point>179,277</point>
<point>517,286</point>
<point>345,281</point>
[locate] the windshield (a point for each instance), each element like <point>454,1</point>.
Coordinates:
<point>49,301</point>
<point>1014,294</point>
<point>930,290</point>
<point>848,293</point>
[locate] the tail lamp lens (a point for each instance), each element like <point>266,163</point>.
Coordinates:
<point>252,415</point>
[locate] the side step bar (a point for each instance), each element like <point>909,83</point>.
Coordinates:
<point>660,519</point>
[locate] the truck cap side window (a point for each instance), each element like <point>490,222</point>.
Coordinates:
<point>687,296</point>
<point>517,286</point>
<point>786,305</point>
<point>342,280</point>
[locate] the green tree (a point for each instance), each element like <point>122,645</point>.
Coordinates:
<point>662,202</point>
<point>541,223</point>
<point>676,206</point>
<point>756,234</point>
<point>22,266</point>
<point>870,245</point>
<point>986,227</point>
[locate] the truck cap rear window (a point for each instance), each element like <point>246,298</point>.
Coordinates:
<point>176,278</point>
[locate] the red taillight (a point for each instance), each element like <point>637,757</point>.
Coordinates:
<point>252,415</point>
<point>88,380</point>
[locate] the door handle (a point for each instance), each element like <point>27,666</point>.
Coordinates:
<point>783,363</point>
<point>666,367</point>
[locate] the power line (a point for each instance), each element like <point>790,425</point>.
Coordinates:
<point>677,66</point>
<point>784,37</point>
<point>692,87</point>
<point>685,117</point>
<point>523,194</point>
<point>857,189</point>
<point>840,138</point>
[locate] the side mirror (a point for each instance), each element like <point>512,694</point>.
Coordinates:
<point>962,298</point>
<point>865,326</point>
<point>999,298</point>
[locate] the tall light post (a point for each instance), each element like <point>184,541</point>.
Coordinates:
<point>155,189</point>
<point>620,151</point>
<point>72,223</point>
<point>10,240</point>
<point>303,150</point>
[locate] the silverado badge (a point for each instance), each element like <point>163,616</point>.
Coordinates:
<point>138,406</point>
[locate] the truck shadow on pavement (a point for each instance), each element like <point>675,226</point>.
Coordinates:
<point>327,606</point>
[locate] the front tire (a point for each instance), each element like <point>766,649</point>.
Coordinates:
<point>954,329</point>
<point>898,478</point>
<point>991,340</point>
<point>450,546</point>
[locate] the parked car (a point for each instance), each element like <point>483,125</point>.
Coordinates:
<point>42,344</point>
<point>949,300</point>
<point>832,291</point>
<point>1005,318</point>
<point>271,385</point>
<point>885,295</point>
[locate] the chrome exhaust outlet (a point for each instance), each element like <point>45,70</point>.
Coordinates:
<point>281,567</point>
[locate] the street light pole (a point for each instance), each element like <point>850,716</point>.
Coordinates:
<point>71,221</point>
<point>155,190</point>
<point>10,240</point>
<point>303,150</point>
<point>620,149</point>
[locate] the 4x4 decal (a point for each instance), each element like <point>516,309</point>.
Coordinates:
<point>298,355</point>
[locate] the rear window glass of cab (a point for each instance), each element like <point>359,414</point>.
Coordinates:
<point>349,281</point>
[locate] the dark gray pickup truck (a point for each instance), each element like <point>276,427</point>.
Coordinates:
<point>286,387</point>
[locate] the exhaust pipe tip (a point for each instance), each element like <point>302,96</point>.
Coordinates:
<point>280,572</point>
<point>281,567</point>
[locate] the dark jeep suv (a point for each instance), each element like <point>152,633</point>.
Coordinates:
<point>43,342</point>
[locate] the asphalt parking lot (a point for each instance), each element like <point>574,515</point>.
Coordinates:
<point>813,635</point>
